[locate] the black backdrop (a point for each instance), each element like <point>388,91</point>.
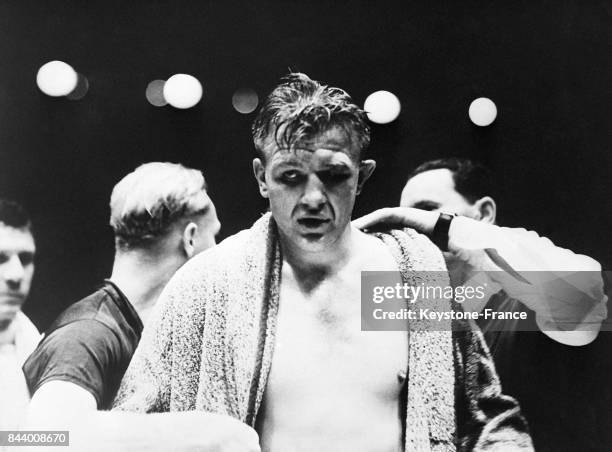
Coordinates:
<point>546,64</point>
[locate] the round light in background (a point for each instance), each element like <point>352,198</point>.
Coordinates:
<point>245,101</point>
<point>155,93</point>
<point>182,91</point>
<point>81,88</point>
<point>382,107</point>
<point>482,111</point>
<point>56,78</point>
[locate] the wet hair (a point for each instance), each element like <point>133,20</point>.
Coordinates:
<point>14,215</point>
<point>146,203</point>
<point>300,108</point>
<point>472,180</point>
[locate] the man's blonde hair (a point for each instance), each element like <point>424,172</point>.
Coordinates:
<point>149,200</point>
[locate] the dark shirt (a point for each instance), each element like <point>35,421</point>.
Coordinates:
<point>563,390</point>
<point>90,344</point>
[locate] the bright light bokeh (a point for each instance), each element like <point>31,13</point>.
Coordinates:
<point>182,91</point>
<point>382,107</point>
<point>155,93</point>
<point>56,78</point>
<point>482,111</point>
<point>245,101</point>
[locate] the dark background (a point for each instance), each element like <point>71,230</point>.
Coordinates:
<point>546,64</point>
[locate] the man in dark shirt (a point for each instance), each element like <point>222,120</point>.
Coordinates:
<point>97,337</point>
<point>161,216</point>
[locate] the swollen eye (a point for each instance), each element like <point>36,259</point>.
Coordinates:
<point>334,176</point>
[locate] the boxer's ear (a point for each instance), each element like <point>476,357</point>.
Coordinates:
<point>366,168</point>
<point>259,170</point>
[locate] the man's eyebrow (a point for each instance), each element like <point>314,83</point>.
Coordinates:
<point>204,209</point>
<point>288,162</point>
<point>426,205</point>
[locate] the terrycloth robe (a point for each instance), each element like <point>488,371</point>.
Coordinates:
<point>209,346</point>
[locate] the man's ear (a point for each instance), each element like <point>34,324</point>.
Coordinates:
<point>259,170</point>
<point>366,168</point>
<point>188,239</point>
<point>487,209</point>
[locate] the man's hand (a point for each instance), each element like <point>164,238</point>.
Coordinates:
<point>405,217</point>
<point>185,431</point>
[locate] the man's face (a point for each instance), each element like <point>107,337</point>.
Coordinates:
<point>208,227</point>
<point>16,270</point>
<point>312,188</point>
<point>434,190</point>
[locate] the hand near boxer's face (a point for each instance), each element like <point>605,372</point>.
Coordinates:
<point>399,217</point>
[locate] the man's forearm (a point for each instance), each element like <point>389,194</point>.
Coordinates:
<point>103,431</point>
<point>93,431</point>
<point>563,288</point>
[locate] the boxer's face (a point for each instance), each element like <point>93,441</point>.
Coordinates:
<point>16,270</point>
<point>312,188</point>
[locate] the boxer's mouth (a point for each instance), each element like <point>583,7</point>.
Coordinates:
<point>312,222</point>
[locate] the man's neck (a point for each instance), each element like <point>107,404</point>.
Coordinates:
<point>7,333</point>
<point>142,278</point>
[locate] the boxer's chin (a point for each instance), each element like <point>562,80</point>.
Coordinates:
<point>317,242</point>
<point>313,240</point>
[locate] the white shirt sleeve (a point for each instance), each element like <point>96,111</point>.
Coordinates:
<point>563,288</point>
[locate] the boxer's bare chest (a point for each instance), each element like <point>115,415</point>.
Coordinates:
<point>319,339</point>
<point>328,378</point>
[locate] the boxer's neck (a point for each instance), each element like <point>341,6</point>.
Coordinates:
<point>322,260</point>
